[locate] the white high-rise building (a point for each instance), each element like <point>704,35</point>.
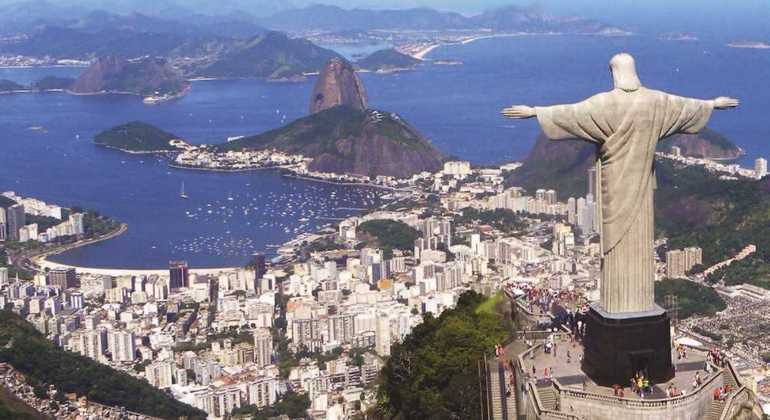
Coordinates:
<point>382,335</point>
<point>263,347</point>
<point>122,345</point>
<point>571,211</point>
<point>92,343</point>
<point>160,374</point>
<point>3,225</point>
<point>760,167</point>
<point>3,276</point>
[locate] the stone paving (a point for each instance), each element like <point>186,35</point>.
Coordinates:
<point>567,370</point>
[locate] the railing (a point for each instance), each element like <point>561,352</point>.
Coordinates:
<point>734,398</point>
<point>734,374</point>
<point>542,412</point>
<point>530,314</point>
<point>629,402</point>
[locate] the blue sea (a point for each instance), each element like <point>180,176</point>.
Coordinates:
<point>231,215</point>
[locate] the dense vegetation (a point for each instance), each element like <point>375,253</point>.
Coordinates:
<point>291,404</point>
<point>692,298</point>
<point>563,165</point>
<point>432,374</point>
<point>44,363</point>
<point>386,59</point>
<point>694,208</point>
<point>388,235</point>
<point>318,133</point>
<point>752,270</point>
<point>9,86</point>
<point>502,219</point>
<point>53,83</point>
<point>136,136</point>
<point>272,55</point>
<point>12,408</point>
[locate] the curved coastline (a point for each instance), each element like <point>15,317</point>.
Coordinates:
<point>42,261</point>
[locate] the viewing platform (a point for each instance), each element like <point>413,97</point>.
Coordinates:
<point>557,388</point>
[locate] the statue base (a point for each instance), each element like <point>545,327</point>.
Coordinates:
<point>619,345</point>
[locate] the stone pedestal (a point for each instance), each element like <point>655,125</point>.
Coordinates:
<point>618,345</point>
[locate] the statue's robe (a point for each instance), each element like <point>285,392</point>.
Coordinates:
<point>627,127</point>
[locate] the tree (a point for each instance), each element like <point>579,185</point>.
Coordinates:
<point>432,373</point>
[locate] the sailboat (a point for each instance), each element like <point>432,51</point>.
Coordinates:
<point>182,193</point>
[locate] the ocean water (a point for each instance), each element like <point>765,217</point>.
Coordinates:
<point>231,215</point>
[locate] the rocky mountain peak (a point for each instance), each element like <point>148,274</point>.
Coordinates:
<point>338,84</point>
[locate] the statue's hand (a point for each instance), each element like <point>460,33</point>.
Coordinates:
<point>519,111</point>
<point>724,102</point>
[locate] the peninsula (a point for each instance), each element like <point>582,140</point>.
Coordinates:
<point>139,137</point>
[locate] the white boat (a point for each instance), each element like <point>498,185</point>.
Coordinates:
<point>182,193</point>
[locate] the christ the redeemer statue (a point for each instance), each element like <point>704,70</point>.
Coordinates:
<point>626,123</point>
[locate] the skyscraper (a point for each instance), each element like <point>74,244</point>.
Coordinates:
<point>592,181</point>
<point>121,345</point>
<point>178,275</point>
<point>263,347</point>
<point>760,167</point>
<point>15,221</point>
<point>259,271</point>
<point>3,222</point>
<point>63,278</point>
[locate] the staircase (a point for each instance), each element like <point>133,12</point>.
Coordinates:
<point>547,397</point>
<point>496,389</point>
<point>715,411</point>
<point>510,406</point>
<point>729,379</point>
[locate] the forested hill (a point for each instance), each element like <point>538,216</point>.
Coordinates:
<point>563,165</point>
<point>43,363</point>
<point>695,208</point>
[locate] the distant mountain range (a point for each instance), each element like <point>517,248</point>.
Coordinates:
<point>510,18</point>
<point>272,55</point>
<point>238,45</point>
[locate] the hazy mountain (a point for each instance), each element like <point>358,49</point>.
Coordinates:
<point>333,18</point>
<point>140,77</point>
<point>511,18</point>
<point>272,55</point>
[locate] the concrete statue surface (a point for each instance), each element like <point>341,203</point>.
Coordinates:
<point>626,123</point>
<point>626,331</point>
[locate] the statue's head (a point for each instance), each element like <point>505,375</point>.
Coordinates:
<point>623,69</point>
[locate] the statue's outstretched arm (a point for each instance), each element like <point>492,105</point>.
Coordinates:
<point>724,102</point>
<point>519,112</point>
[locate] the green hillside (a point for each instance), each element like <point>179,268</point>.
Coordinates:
<point>272,55</point>
<point>136,136</point>
<point>386,60</point>
<point>44,363</point>
<point>345,140</point>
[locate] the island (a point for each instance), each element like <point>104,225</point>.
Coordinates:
<point>9,86</point>
<point>138,137</point>
<point>152,78</point>
<point>387,61</point>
